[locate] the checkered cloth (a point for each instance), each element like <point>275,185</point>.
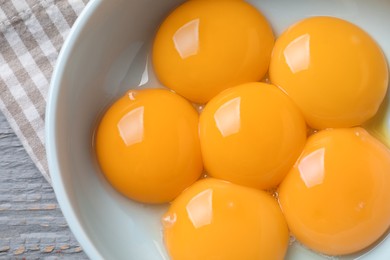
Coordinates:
<point>31,35</point>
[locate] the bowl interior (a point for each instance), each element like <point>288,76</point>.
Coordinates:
<point>106,54</point>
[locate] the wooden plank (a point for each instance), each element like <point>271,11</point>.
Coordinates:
<point>31,223</point>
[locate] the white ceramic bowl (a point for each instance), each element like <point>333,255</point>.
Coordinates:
<point>105,54</point>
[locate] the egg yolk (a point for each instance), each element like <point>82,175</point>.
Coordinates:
<point>333,70</point>
<point>147,145</point>
<point>204,47</point>
<point>336,198</point>
<point>251,135</point>
<point>214,219</point>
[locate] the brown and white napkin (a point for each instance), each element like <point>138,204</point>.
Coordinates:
<point>31,35</point>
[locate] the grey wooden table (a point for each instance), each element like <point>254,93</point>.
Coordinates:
<point>31,223</point>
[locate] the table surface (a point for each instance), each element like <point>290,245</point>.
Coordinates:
<point>31,223</point>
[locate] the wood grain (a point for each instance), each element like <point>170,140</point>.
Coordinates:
<point>31,223</point>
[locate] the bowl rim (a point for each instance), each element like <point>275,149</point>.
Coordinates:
<point>62,192</point>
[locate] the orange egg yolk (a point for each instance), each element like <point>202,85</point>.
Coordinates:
<point>333,70</point>
<point>147,145</point>
<point>251,135</point>
<point>214,219</point>
<point>336,198</point>
<point>204,47</point>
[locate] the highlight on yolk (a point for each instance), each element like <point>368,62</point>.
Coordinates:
<point>333,70</point>
<point>147,145</point>
<point>204,47</point>
<point>214,219</point>
<point>251,135</point>
<point>336,198</point>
